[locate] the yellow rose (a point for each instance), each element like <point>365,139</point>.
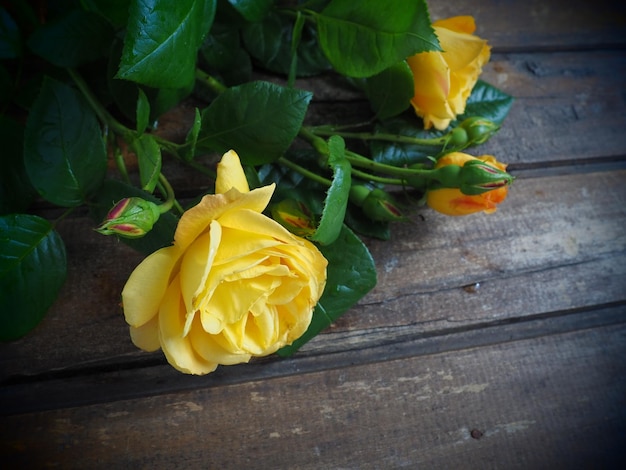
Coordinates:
<point>444,80</point>
<point>233,285</point>
<point>452,201</point>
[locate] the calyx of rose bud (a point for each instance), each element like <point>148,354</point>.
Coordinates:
<point>295,217</point>
<point>378,205</point>
<point>479,129</point>
<point>477,177</point>
<point>132,217</point>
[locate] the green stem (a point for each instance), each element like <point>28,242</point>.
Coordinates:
<point>395,138</point>
<point>169,194</point>
<point>210,82</point>
<point>63,216</point>
<point>304,172</point>
<point>102,113</point>
<point>377,179</point>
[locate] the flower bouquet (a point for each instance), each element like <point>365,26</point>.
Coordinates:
<point>272,253</point>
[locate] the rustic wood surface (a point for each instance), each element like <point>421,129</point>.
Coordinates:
<point>490,341</point>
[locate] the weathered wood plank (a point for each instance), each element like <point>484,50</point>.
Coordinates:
<point>542,24</point>
<point>549,402</point>
<point>556,244</point>
<point>569,107</point>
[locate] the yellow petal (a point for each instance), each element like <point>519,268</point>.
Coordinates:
<point>460,49</point>
<point>178,348</point>
<point>238,243</point>
<point>230,174</point>
<point>460,24</point>
<point>146,285</point>
<point>197,219</point>
<point>146,336</point>
<point>207,347</point>
<point>431,76</point>
<point>253,222</point>
<point>196,266</point>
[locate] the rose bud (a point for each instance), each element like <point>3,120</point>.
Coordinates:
<point>479,130</point>
<point>295,217</point>
<point>377,204</point>
<point>132,217</point>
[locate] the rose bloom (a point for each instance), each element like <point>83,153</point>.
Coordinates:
<point>444,80</point>
<point>233,285</point>
<point>452,201</point>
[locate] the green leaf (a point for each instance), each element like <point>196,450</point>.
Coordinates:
<point>143,112</point>
<point>72,40</point>
<point>258,120</point>
<point>487,101</point>
<point>337,196</point>
<point>400,154</point>
<point>162,41</point>
<point>391,90</point>
<point>351,274</point>
<point>270,43</point>
<point>189,151</point>
<point>115,11</point>
<point>252,10</point>
<point>361,39</point>
<point>10,40</point>
<point>32,271</point>
<point>16,192</point>
<point>64,152</point>
<point>149,157</point>
<point>224,55</point>
<point>112,191</point>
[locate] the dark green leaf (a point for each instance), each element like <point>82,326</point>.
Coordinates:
<point>72,40</point>
<point>252,10</point>
<point>224,55</point>
<point>391,90</point>
<point>64,152</point>
<point>258,120</point>
<point>10,40</point>
<point>192,137</point>
<point>351,275</point>
<point>363,225</point>
<point>337,196</point>
<point>487,101</point>
<point>143,112</point>
<point>125,93</point>
<point>399,154</point>
<point>149,157</point>
<point>16,192</point>
<point>162,41</point>
<point>162,233</point>
<point>270,43</point>
<point>115,11</point>
<point>32,271</point>
<point>361,39</point>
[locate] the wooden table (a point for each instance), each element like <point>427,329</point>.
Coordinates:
<point>489,342</point>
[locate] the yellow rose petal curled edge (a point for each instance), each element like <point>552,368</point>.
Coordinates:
<point>444,80</point>
<point>234,284</point>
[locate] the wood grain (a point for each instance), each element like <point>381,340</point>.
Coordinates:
<point>489,342</point>
<point>561,396</point>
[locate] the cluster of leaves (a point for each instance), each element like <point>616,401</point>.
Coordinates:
<point>81,76</point>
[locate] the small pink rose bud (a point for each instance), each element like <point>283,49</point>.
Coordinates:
<point>131,217</point>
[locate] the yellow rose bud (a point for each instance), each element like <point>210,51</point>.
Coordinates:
<point>444,80</point>
<point>451,201</point>
<point>235,283</point>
